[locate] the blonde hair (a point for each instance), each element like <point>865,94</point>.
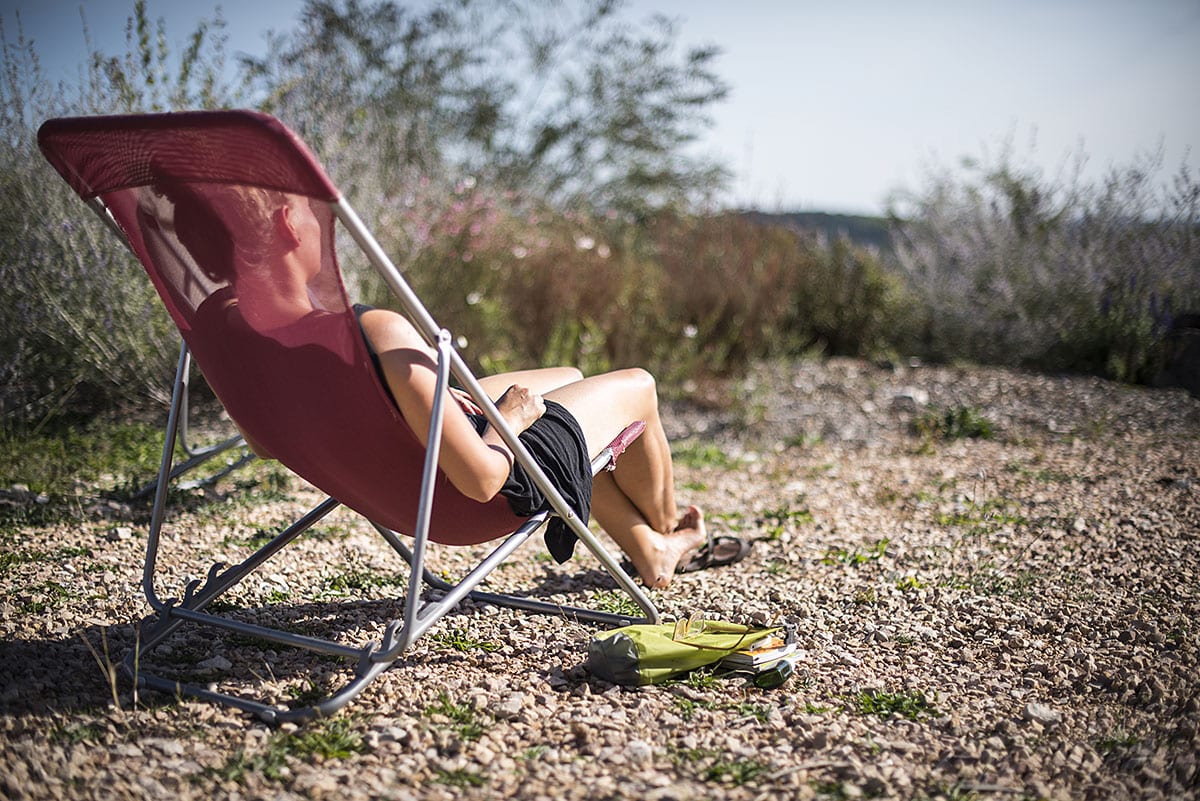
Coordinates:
<point>223,225</point>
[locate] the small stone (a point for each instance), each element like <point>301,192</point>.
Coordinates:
<point>217,662</point>
<point>909,399</point>
<point>484,755</point>
<point>639,752</point>
<point>120,533</point>
<point>511,706</point>
<point>1043,714</point>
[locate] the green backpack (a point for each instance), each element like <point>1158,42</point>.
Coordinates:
<point>648,653</point>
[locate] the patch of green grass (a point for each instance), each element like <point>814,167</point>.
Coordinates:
<point>986,579</point>
<point>961,792</point>
<point>733,521</point>
<point>736,772</point>
<point>843,556</point>
<point>278,596</point>
<point>776,521</point>
<point>459,777</point>
<point>909,583</point>
<point>270,764</point>
<point>222,605</point>
<point>803,441</point>
<point>866,597</point>
<point>332,531</point>
<point>77,732</point>
<point>1118,740</point>
<point>702,679</point>
<point>956,422</point>
<point>697,455</point>
<point>817,709</point>
<point>983,517</point>
<point>334,738</point>
<point>532,753</point>
<point>757,711</point>
<point>829,789</point>
<point>911,705</point>
<point>13,558</point>
<point>53,460</point>
<point>261,482</point>
<point>458,638</point>
<point>687,707</point>
<point>257,538</point>
<point>1042,475</point>
<point>886,496</point>
<point>462,717</point>
<point>47,594</point>
<point>716,766</point>
<point>354,580</point>
<point>616,602</point>
<point>307,693</point>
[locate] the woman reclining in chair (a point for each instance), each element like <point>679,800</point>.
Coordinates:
<point>562,417</point>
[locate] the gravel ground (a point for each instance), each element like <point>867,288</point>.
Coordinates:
<point>1013,617</point>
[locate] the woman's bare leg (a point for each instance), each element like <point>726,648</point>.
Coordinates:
<point>654,555</point>
<point>539,381</point>
<point>604,405</point>
<point>635,503</point>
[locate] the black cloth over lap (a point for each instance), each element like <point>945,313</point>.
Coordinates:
<point>556,443</point>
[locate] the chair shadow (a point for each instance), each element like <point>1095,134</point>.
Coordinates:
<point>71,675</point>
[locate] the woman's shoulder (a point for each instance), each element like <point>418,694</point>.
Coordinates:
<point>387,330</point>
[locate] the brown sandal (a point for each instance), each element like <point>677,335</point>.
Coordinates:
<point>717,552</point>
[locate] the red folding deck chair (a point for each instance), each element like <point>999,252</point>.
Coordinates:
<point>306,391</point>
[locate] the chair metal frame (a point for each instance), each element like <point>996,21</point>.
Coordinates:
<point>420,613</point>
<point>198,455</point>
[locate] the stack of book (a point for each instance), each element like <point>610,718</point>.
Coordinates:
<point>764,652</point>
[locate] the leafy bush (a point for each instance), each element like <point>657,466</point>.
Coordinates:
<point>1012,267</point>
<point>744,290</point>
<point>679,294</point>
<point>83,327</point>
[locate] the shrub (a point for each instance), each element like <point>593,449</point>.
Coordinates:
<point>749,291</point>
<point>680,294</point>
<point>83,327</point>
<point>1015,268</point>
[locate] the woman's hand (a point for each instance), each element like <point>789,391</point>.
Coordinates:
<point>520,407</point>
<point>465,401</point>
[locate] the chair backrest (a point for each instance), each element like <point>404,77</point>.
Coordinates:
<point>230,215</point>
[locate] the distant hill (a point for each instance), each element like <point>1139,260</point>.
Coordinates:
<point>871,232</point>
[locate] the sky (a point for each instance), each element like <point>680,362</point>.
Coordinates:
<point>837,105</point>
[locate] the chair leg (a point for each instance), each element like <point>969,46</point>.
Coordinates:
<point>197,456</point>
<point>522,603</point>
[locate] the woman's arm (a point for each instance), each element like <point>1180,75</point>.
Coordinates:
<point>477,466</point>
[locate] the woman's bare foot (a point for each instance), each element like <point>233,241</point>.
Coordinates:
<point>669,549</point>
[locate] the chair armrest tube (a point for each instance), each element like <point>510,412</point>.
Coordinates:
<point>626,438</point>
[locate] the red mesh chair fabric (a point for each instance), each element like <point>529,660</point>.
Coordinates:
<point>208,201</point>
